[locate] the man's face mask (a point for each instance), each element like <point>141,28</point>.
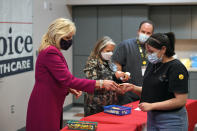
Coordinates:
<point>65,44</point>
<point>143,37</point>
<point>106,55</point>
<point>153,58</point>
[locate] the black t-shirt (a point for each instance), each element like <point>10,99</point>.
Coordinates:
<point>162,80</point>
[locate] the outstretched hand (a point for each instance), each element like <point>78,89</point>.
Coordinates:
<point>125,87</point>
<point>110,85</point>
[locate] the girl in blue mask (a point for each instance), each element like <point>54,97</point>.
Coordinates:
<point>165,86</point>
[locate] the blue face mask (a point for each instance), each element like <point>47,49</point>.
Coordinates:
<point>152,58</point>
<point>143,37</point>
<point>65,44</point>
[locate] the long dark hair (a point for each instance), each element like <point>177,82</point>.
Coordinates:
<point>158,40</point>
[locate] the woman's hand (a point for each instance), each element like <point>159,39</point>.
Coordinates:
<point>119,74</point>
<point>110,85</point>
<point>145,106</point>
<point>124,76</point>
<point>125,87</point>
<point>75,92</point>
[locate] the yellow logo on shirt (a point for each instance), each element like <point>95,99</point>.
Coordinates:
<point>181,76</point>
<point>144,62</point>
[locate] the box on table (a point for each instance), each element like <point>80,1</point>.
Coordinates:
<point>117,110</point>
<point>82,125</point>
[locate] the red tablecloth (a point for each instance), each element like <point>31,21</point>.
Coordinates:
<point>191,107</point>
<point>134,121</point>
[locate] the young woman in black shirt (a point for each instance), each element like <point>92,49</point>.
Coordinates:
<point>165,86</point>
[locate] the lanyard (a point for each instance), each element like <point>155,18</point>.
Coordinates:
<point>142,54</point>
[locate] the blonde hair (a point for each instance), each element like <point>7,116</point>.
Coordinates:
<point>58,29</point>
<point>100,45</point>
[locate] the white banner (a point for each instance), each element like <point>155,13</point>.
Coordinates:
<point>16,44</point>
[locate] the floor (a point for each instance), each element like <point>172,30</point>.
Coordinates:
<point>74,113</point>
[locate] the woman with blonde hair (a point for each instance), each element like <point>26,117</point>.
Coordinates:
<point>53,80</point>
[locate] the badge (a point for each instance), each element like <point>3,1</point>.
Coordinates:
<point>143,70</point>
<point>181,76</point>
<point>140,50</point>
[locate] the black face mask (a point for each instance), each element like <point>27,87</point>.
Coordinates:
<point>65,44</point>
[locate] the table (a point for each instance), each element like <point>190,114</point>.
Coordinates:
<point>134,121</point>
<point>191,107</point>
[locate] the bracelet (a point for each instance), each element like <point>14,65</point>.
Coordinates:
<point>101,84</point>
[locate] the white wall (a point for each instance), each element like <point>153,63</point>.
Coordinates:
<point>15,90</point>
<point>186,48</point>
<point>44,12</point>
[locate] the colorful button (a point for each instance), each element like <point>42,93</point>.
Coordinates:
<point>144,62</point>
<point>181,76</point>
